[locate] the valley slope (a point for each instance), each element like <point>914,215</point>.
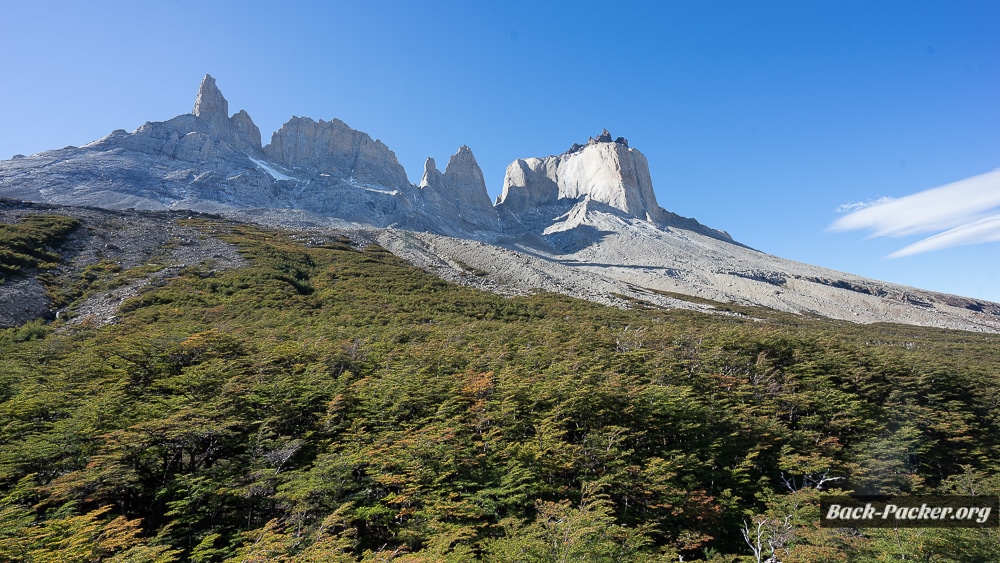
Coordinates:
<point>584,223</point>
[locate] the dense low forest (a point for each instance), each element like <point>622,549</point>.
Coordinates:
<point>329,403</point>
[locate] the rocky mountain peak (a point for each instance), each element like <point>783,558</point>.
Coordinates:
<point>211,107</point>
<point>604,171</point>
<point>245,130</point>
<point>430,167</point>
<point>604,137</point>
<point>461,175</point>
<point>585,222</point>
<point>210,101</point>
<point>463,167</point>
<point>460,191</point>
<point>332,147</point>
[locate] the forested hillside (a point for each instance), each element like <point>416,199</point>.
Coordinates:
<point>330,403</point>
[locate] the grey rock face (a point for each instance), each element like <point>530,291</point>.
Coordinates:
<point>246,135</point>
<point>603,171</point>
<point>331,147</point>
<point>459,193</point>
<point>210,161</point>
<point>22,300</point>
<point>202,161</point>
<point>586,222</point>
<point>210,101</point>
<point>126,238</point>
<point>552,200</point>
<point>211,107</point>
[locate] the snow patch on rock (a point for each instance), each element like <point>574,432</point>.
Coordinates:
<point>270,170</point>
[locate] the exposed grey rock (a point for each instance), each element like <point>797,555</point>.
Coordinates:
<point>245,131</point>
<point>211,107</point>
<point>459,194</point>
<point>22,300</point>
<point>332,147</point>
<point>542,189</point>
<point>210,103</point>
<point>585,223</point>
<point>631,260</point>
<point>207,160</point>
<point>125,238</point>
<point>201,160</point>
<point>550,200</point>
<point>431,173</point>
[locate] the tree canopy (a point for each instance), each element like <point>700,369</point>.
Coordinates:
<point>329,403</point>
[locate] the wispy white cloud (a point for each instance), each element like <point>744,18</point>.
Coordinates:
<point>977,232</point>
<point>966,212</point>
<point>848,207</point>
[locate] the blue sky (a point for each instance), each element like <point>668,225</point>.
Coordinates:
<point>759,118</point>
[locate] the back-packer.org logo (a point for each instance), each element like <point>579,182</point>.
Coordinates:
<point>910,511</point>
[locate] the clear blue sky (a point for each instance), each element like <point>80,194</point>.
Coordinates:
<point>760,118</point>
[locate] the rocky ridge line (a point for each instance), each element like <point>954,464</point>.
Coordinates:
<point>211,161</point>
<point>585,222</point>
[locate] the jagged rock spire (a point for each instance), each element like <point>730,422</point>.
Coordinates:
<point>431,173</point>
<point>212,108</point>
<point>460,190</point>
<point>210,100</point>
<point>462,177</point>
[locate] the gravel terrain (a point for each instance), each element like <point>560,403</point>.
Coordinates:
<point>634,260</point>
<point>585,223</point>
<point>127,239</point>
<point>627,261</point>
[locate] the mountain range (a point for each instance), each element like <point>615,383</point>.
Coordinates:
<point>585,222</point>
